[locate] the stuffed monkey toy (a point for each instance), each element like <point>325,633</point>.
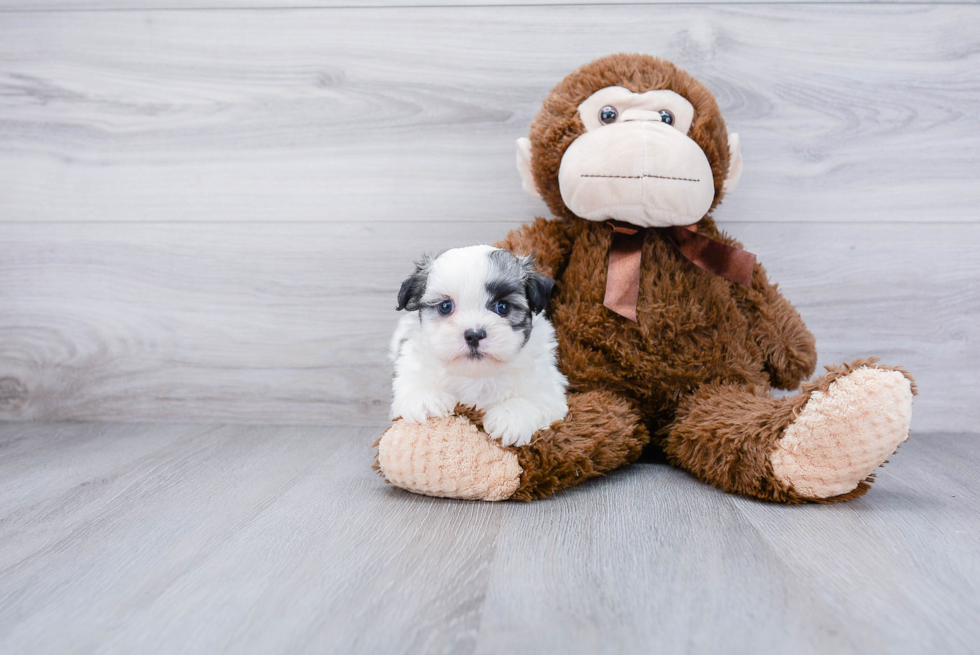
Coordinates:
<point>671,336</point>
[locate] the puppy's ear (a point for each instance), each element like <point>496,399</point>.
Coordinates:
<point>537,287</point>
<point>413,288</point>
<point>538,291</point>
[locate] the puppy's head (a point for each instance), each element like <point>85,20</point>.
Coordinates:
<point>475,305</point>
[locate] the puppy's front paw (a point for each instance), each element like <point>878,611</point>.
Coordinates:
<point>419,407</point>
<point>514,422</point>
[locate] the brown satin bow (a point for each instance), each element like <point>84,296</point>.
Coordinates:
<point>623,277</point>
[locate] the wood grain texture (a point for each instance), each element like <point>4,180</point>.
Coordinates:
<point>203,539</point>
<point>289,323</point>
<point>847,112</point>
<point>144,5</point>
<point>205,214</point>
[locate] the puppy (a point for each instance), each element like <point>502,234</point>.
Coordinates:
<point>479,339</point>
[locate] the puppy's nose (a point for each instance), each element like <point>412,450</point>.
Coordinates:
<point>473,337</point>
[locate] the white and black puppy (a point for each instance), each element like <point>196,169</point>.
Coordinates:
<point>478,339</point>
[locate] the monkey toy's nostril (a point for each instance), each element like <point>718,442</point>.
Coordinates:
<point>473,337</point>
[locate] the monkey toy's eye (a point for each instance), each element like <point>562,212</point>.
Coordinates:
<point>666,117</point>
<point>446,307</point>
<point>608,114</point>
<point>501,307</point>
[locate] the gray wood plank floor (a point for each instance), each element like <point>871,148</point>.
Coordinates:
<point>199,539</point>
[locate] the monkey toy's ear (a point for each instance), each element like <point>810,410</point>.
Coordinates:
<point>734,163</point>
<point>524,166</point>
<point>413,288</point>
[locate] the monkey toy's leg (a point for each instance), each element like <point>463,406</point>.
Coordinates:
<point>453,458</point>
<point>820,445</point>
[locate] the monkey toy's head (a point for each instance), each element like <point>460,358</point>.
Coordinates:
<point>630,138</point>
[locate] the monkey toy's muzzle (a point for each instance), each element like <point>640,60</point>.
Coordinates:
<point>643,172</point>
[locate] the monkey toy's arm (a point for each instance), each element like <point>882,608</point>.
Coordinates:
<point>789,348</point>
<point>550,241</point>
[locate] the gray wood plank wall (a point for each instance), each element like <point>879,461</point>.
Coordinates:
<point>204,214</point>
<point>130,5</point>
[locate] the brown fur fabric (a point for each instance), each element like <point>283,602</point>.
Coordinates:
<point>600,433</point>
<point>789,350</point>
<point>694,328</point>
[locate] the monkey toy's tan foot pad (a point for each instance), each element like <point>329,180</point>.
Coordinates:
<point>447,457</point>
<point>844,432</point>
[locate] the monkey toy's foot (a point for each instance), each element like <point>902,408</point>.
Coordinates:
<point>856,416</point>
<point>447,457</point>
<point>454,458</point>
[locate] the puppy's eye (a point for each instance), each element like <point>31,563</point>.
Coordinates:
<point>446,307</point>
<point>501,307</point>
<point>666,117</point>
<point>608,114</point>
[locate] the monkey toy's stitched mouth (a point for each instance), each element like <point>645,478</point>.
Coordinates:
<point>640,177</point>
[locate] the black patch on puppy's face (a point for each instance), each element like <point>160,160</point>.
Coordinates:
<point>513,280</point>
<point>413,288</point>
